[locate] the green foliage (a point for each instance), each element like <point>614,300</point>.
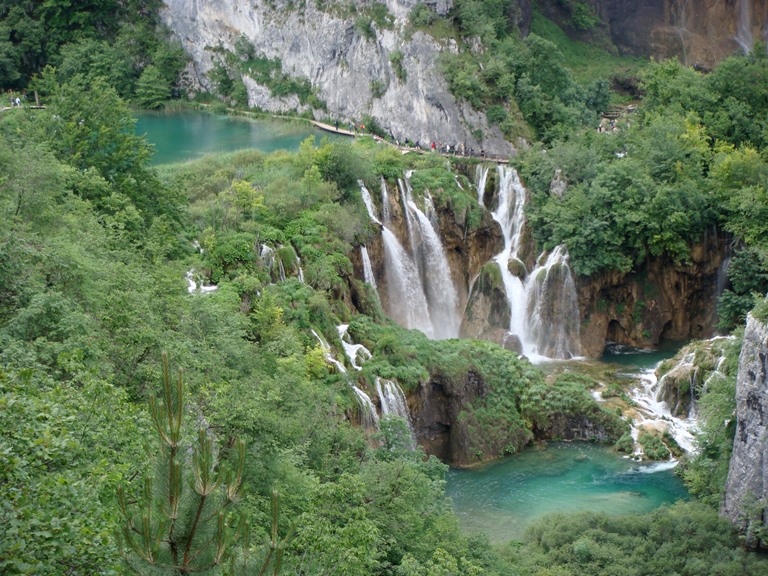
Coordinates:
<point>705,474</point>
<point>396,59</point>
<point>653,447</point>
<point>152,90</point>
<point>748,277</point>
<point>625,444</point>
<point>183,521</point>
<point>686,538</point>
<point>63,448</point>
<point>583,16</point>
<point>618,210</point>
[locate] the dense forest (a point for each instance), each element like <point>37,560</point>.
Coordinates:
<point>245,451</point>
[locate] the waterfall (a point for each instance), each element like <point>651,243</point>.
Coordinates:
<point>354,352</point>
<point>655,413</point>
<point>553,307</point>
<point>420,289</point>
<point>510,214</point>
<point>385,209</point>
<point>436,273</point>
<point>393,403</point>
<point>543,305</point>
<point>368,269</point>
<point>195,283</point>
<point>368,201</point>
<point>301,272</point>
<point>744,27</point>
<point>368,417</point>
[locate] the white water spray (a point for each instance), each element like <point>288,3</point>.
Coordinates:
<point>368,269</point>
<point>744,27</point>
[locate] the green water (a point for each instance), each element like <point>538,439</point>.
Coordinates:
<point>503,498</point>
<point>640,358</point>
<point>180,136</point>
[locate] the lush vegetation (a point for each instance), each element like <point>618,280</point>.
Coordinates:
<point>690,160</point>
<point>95,245</point>
<point>121,42</point>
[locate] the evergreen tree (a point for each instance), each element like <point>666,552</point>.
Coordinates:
<point>184,520</point>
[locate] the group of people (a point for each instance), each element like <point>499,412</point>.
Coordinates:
<point>15,99</point>
<point>444,148</point>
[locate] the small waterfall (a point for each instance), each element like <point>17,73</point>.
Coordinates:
<point>393,402</point>
<point>385,209</point>
<point>195,283</point>
<point>744,27</point>
<point>368,417</point>
<point>551,294</point>
<point>543,305</point>
<point>368,201</point>
<point>722,276</point>
<point>655,413</point>
<point>354,352</point>
<point>368,269</point>
<point>301,272</point>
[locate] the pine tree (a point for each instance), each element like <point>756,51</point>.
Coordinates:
<point>184,521</point>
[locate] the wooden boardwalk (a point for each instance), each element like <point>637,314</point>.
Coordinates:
<point>405,149</point>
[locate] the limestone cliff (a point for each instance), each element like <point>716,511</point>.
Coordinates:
<point>351,70</point>
<point>746,490</point>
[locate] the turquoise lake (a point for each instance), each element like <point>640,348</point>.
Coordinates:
<point>180,136</point>
<point>503,498</point>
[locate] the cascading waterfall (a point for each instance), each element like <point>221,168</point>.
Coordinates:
<point>407,302</point>
<point>355,352</point>
<point>442,300</point>
<point>385,210</point>
<point>543,305</point>
<point>393,402</point>
<point>195,283</point>
<point>368,201</point>
<point>655,413</point>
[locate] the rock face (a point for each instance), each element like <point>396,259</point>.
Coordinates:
<point>351,71</point>
<point>662,301</point>
<point>746,490</point>
<point>698,32</point>
<point>435,410</point>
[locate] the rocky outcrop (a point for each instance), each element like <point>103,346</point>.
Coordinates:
<point>351,68</point>
<point>662,301</point>
<point>683,379</point>
<point>746,490</point>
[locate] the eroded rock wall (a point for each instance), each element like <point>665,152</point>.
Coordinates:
<point>746,490</point>
<point>663,301</point>
<point>353,74</point>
